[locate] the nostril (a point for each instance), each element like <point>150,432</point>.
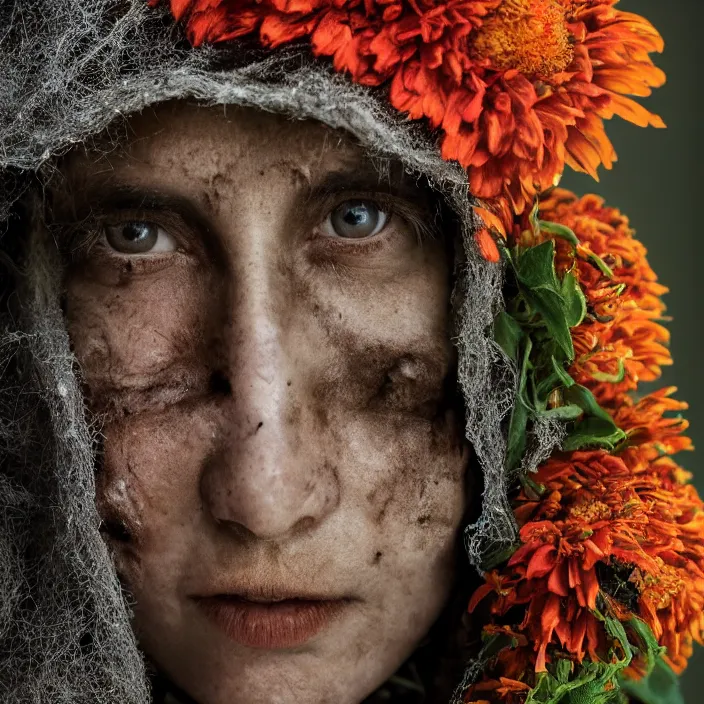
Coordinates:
<point>220,384</point>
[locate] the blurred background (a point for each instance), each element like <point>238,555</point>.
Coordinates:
<point>656,182</point>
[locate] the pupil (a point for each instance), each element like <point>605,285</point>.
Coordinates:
<point>133,237</point>
<point>136,231</point>
<point>355,219</point>
<point>357,215</point>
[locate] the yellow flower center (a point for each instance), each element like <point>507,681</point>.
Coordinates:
<point>528,35</point>
<point>660,589</point>
<point>590,511</point>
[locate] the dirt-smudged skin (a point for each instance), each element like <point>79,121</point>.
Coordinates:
<point>273,395</point>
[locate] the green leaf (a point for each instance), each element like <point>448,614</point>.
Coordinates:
<point>592,432</point>
<point>558,230</point>
<point>566,413</point>
<point>520,414</point>
<point>559,304</point>
<point>496,557</point>
<point>661,686</point>
<point>508,334</point>
<point>552,308</point>
<point>616,630</point>
<point>564,377</point>
<point>563,670</point>
<point>647,642</point>
<point>597,428</point>
<point>576,303</point>
<point>586,686</point>
<point>535,267</point>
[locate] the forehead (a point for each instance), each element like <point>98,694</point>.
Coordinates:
<point>207,141</point>
<point>211,155</point>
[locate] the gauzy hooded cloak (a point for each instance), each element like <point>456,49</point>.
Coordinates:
<point>73,70</point>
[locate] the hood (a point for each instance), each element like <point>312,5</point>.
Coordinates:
<point>74,70</point>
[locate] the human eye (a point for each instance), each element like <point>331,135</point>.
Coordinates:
<point>138,237</point>
<point>356,219</point>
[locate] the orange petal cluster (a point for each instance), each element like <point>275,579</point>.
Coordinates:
<point>622,340</point>
<point>618,526</point>
<point>516,88</point>
<point>621,532</point>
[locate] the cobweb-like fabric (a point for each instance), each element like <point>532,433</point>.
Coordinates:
<point>69,69</point>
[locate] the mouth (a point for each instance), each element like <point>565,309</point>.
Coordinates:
<point>273,623</point>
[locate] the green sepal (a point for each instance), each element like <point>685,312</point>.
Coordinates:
<point>493,558</point>
<point>602,682</point>
<point>603,267</point>
<point>587,687</point>
<point>532,490</point>
<point>612,378</point>
<point>565,233</point>
<point>493,644</point>
<point>562,231</point>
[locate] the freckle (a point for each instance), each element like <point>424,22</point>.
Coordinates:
<point>422,520</point>
<point>377,558</point>
<point>288,383</point>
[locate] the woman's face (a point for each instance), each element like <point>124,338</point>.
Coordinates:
<point>262,326</point>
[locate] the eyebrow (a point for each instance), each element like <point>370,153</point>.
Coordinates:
<point>112,195</point>
<point>109,197</point>
<point>366,177</point>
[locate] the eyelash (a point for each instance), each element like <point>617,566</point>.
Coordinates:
<point>83,240</point>
<point>396,207</point>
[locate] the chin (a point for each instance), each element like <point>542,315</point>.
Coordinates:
<point>341,665</point>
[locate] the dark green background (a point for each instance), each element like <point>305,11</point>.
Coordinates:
<point>656,183</point>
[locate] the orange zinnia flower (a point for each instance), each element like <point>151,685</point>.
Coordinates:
<point>622,341</point>
<point>622,513</point>
<point>517,88</point>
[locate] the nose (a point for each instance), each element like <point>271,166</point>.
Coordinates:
<point>268,475</point>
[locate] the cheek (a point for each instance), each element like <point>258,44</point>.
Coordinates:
<point>148,488</point>
<point>138,333</point>
<point>408,478</point>
<point>397,429</point>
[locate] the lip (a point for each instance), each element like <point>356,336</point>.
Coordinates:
<point>273,624</point>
